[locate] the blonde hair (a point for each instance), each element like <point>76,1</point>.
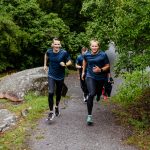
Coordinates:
<point>94,40</point>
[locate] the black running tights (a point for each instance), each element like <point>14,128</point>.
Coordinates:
<point>51,86</point>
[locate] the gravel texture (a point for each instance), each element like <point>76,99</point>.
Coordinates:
<point>70,132</point>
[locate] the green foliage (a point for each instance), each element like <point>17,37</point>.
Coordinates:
<point>27,33</point>
<point>136,114</point>
<point>17,136</point>
<point>68,10</point>
<point>27,27</point>
<point>132,87</point>
<point>132,34</point>
<point>140,110</point>
<point>101,14</point>
<point>127,23</point>
<point>10,40</point>
<point>46,5</point>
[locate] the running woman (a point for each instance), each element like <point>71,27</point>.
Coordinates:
<point>57,59</point>
<point>97,64</point>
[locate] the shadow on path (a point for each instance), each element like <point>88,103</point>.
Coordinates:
<point>70,132</point>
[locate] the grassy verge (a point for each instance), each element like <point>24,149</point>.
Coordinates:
<point>14,138</point>
<point>133,107</point>
<point>140,135</point>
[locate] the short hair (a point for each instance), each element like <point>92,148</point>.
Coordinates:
<point>84,48</point>
<point>55,39</point>
<point>94,40</point>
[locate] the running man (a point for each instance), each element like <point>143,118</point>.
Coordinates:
<point>79,62</point>
<point>57,59</point>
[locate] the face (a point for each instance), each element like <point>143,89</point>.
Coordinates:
<point>94,47</point>
<point>84,50</point>
<point>56,45</point>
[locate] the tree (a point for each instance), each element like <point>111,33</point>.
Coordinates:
<point>132,34</point>
<point>101,20</point>
<point>32,31</point>
<point>67,10</point>
<point>10,39</point>
<point>127,23</point>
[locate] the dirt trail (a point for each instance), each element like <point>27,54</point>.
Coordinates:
<point>70,132</point>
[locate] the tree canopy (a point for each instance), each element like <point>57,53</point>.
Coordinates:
<point>28,26</point>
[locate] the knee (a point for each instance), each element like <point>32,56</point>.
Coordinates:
<point>50,94</point>
<point>92,94</point>
<point>50,90</point>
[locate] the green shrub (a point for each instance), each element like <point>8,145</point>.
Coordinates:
<point>140,109</point>
<point>132,86</point>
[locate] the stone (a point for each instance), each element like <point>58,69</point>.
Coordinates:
<point>7,119</point>
<point>15,86</point>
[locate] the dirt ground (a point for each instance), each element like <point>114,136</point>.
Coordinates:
<point>70,132</point>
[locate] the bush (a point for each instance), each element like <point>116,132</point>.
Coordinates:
<point>133,85</point>
<point>140,108</point>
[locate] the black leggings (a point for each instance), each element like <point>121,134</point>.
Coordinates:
<point>83,86</point>
<point>51,86</point>
<point>93,86</point>
<point>108,88</point>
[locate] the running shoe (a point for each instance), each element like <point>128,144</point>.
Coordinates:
<point>87,97</point>
<point>89,120</point>
<point>57,113</point>
<point>50,116</point>
<point>84,98</point>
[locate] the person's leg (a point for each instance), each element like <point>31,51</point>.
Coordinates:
<point>99,87</point>
<point>99,93</point>
<point>91,85</point>
<point>109,89</point>
<point>51,86</point>
<point>64,90</point>
<point>59,85</point>
<point>84,88</point>
<point>103,91</point>
<point>82,85</point>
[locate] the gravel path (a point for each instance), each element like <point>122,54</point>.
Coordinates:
<point>70,132</point>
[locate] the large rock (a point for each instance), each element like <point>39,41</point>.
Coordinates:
<point>7,119</point>
<point>15,86</point>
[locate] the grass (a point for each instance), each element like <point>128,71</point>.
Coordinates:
<point>14,138</point>
<point>140,136</point>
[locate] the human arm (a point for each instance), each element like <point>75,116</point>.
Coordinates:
<point>45,62</point>
<point>78,66</point>
<point>110,79</point>
<point>68,63</point>
<point>106,65</point>
<point>97,69</point>
<point>83,68</point>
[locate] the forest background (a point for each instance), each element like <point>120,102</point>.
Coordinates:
<point>27,28</point>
